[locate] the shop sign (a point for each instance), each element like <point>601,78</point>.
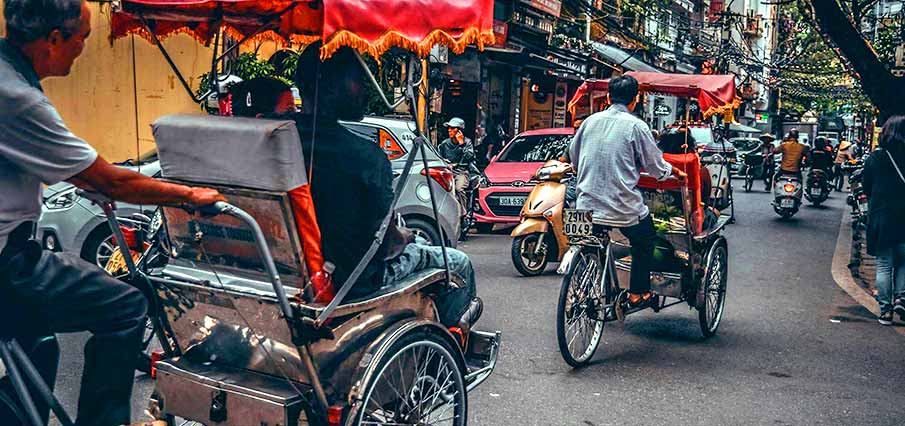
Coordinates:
<point>578,67</point>
<point>552,7</point>
<point>762,118</point>
<point>540,24</point>
<point>662,110</point>
<point>559,104</point>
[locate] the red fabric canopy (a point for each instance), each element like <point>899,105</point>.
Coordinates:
<point>715,93</point>
<point>371,26</point>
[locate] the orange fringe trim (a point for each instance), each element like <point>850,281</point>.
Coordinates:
<point>268,35</point>
<point>395,39</point>
<point>724,109</point>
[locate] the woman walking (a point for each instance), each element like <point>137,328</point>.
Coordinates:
<point>884,183</point>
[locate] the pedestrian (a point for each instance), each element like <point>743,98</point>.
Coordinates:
<point>43,292</point>
<point>884,182</point>
<point>844,154</point>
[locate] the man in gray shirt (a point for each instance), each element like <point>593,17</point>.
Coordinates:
<point>42,293</point>
<point>609,151</point>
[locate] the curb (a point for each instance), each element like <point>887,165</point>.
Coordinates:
<point>843,275</point>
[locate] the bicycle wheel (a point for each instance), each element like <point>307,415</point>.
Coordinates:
<point>579,313</point>
<point>711,313</point>
<point>418,382</point>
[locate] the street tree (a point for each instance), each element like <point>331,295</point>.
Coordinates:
<point>841,27</point>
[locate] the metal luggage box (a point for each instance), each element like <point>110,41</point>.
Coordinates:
<point>216,395</point>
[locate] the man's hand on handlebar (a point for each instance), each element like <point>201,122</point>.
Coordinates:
<point>204,196</point>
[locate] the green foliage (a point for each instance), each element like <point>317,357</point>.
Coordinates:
<point>248,66</point>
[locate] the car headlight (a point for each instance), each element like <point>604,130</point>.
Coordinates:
<point>61,200</point>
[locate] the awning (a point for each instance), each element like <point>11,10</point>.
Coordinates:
<point>528,60</point>
<point>622,58</point>
<point>741,128</point>
<point>715,93</point>
<point>370,26</point>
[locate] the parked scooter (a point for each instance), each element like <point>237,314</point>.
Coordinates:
<point>787,193</point>
<point>539,238</point>
<point>818,186</point>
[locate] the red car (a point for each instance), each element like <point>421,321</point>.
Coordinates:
<point>510,175</point>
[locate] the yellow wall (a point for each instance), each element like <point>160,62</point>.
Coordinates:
<point>98,100</point>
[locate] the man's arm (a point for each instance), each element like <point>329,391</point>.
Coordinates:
<point>650,156</point>
<point>778,149</point>
<point>125,185</point>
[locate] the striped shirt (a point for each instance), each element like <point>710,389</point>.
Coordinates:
<point>609,151</point>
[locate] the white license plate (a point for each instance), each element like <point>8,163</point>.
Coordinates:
<point>787,203</point>
<point>578,223</point>
<point>512,201</point>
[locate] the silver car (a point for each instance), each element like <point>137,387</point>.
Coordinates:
<point>395,136</point>
<point>72,223</point>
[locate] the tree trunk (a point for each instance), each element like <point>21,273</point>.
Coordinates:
<point>878,83</point>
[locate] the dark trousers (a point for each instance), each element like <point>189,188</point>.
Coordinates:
<point>642,237</point>
<point>44,293</point>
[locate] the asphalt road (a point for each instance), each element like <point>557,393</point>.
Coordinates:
<point>793,349</point>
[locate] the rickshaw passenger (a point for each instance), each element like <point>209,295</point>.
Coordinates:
<point>352,186</point>
<point>675,145</point>
<point>44,292</point>
<point>609,151</point>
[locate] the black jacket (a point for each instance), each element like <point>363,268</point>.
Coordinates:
<point>352,188</point>
<point>886,211</point>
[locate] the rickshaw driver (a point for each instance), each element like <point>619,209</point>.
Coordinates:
<point>352,188</point>
<point>609,151</point>
<point>44,292</point>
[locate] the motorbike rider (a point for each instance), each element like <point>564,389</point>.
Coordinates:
<point>843,155</point>
<point>459,151</point>
<point>609,151</point>
<point>352,189</point>
<point>44,292</point>
<point>821,156</point>
<point>794,154</point>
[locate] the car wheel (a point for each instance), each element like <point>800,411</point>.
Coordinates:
<point>99,245</point>
<point>424,229</point>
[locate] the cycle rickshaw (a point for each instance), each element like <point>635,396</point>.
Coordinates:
<point>244,342</point>
<point>691,256</point>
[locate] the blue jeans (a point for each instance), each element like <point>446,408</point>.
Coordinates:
<point>890,276</point>
<point>418,257</point>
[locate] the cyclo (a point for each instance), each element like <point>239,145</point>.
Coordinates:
<point>243,341</point>
<point>691,255</point>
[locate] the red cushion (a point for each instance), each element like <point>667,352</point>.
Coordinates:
<point>690,164</point>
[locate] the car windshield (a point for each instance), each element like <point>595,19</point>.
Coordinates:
<point>535,148</point>
<point>745,144</point>
<point>702,135</point>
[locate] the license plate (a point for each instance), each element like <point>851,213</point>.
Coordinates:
<point>512,201</point>
<point>787,203</point>
<point>578,223</point>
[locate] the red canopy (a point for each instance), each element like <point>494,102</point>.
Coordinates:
<point>715,93</point>
<point>371,26</point>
